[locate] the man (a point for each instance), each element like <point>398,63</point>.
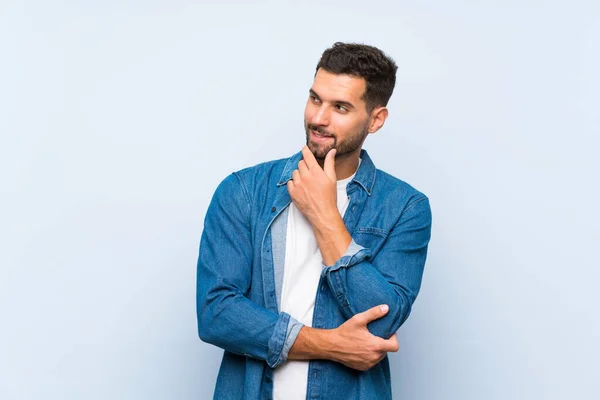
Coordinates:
<point>309,265</point>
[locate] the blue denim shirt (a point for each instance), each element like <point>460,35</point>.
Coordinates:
<point>240,270</point>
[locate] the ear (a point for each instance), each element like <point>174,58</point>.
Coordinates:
<point>378,117</point>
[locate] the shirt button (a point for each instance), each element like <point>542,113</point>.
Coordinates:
<point>273,209</point>
<point>268,379</point>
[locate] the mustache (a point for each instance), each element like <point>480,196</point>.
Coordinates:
<point>320,130</point>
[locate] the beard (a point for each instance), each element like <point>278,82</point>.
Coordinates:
<point>353,142</point>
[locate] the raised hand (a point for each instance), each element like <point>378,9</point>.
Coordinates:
<point>313,189</point>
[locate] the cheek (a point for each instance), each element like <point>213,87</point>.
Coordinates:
<point>344,125</point>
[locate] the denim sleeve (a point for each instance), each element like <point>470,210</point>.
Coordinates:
<point>360,280</point>
<point>293,329</point>
<point>226,317</point>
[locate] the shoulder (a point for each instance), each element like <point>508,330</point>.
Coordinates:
<point>247,181</point>
<point>262,169</point>
<point>390,184</point>
<point>398,194</point>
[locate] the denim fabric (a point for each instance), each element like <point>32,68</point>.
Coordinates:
<point>240,268</point>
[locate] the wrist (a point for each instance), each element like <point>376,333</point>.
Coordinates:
<point>333,240</point>
<point>327,221</point>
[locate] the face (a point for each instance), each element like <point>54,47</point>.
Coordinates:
<point>335,114</point>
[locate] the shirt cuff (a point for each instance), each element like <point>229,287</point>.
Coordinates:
<point>293,329</point>
<point>281,341</point>
<point>355,254</point>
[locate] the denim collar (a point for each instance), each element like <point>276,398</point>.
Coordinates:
<point>365,176</point>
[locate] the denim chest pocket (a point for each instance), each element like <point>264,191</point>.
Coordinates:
<point>369,237</point>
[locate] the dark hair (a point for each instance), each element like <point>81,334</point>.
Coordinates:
<point>364,61</point>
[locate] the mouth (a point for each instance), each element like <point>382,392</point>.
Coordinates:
<point>317,137</point>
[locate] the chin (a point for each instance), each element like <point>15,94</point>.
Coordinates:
<point>319,155</point>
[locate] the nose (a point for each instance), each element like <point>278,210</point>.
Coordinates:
<point>321,116</point>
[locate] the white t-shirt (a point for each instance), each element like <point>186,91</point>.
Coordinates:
<point>302,271</point>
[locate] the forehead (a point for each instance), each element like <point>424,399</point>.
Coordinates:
<point>342,87</point>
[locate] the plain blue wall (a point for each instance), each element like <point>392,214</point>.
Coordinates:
<point>119,118</point>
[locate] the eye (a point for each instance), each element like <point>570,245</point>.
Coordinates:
<point>340,107</point>
<point>313,98</point>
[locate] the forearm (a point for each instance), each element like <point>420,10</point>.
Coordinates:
<point>332,237</point>
<point>238,325</point>
<point>361,279</point>
<point>312,344</point>
<point>334,240</point>
<point>350,344</point>
<point>360,287</point>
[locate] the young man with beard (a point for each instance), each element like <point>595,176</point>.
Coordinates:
<point>309,265</point>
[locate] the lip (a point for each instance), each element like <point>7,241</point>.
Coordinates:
<point>317,138</point>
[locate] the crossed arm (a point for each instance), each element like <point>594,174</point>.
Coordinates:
<point>230,319</point>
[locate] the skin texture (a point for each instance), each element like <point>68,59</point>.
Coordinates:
<point>337,123</point>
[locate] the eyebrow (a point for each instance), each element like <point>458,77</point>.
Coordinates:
<point>346,104</point>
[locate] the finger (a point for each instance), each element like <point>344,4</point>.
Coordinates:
<point>371,314</point>
<point>309,157</point>
<point>329,164</point>
<point>303,168</point>
<point>296,176</point>
<point>290,185</point>
<point>391,345</point>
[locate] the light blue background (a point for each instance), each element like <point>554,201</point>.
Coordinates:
<point>119,118</point>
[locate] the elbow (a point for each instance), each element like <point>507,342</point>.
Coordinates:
<point>399,310</point>
<point>203,328</point>
<point>204,333</point>
<point>207,332</point>
<point>205,322</point>
<point>212,321</point>
<point>214,318</point>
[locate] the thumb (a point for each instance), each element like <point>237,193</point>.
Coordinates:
<point>371,314</point>
<point>329,165</point>
<point>392,345</point>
